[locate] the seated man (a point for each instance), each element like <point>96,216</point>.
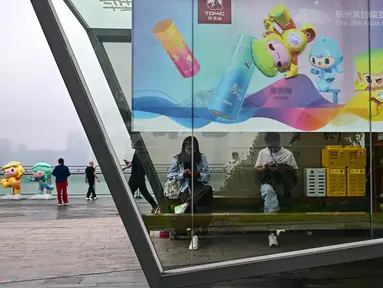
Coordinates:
<point>277,168</point>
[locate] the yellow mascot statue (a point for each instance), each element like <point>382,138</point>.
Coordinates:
<point>13,171</point>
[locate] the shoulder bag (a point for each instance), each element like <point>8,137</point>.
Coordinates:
<point>172,188</point>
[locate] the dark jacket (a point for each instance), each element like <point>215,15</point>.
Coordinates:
<point>284,176</point>
<point>61,172</point>
<point>137,168</point>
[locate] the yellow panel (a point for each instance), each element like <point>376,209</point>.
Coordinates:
<point>356,182</point>
<point>336,182</point>
<point>356,156</point>
<point>334,157</point>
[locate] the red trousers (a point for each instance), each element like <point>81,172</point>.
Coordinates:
<point>62,191</point>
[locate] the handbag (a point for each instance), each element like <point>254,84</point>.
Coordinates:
<point>172,189</point>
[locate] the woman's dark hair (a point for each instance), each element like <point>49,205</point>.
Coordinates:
<point>61,161</point>
<point>191,140</point>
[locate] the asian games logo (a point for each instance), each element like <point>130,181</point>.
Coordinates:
<point>215,5</point>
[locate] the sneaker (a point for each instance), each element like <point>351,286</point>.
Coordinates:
<point>95,198</point>
<point>87,198</point>
<point>194,243</point>
<point>180,209</point>
<point>66,204</point>
<point>156,210</point>
<point>273,240</point>
<point>59,204</point>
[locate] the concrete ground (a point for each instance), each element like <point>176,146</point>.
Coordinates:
<point>85,245</point>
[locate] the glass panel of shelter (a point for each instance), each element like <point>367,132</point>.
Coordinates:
<point>312,217</point>
<point>329,199</point>
<point>108,111</point>
<point>104,14</point>
<point>164,147</point>
<point>95,79</point>
<point>375,177</point>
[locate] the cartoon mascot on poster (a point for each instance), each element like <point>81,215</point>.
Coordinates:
<point>42,172</point>
<point>279,51</point>
<point>13,171</point>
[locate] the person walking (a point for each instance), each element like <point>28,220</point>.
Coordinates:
<point>61,172</point>
<point>90,177</point>
<point>137,180</point>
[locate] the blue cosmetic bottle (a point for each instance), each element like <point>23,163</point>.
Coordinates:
<point>231,91</point>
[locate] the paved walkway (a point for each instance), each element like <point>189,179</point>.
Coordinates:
<point>37,250</point>
<point>37,210</point>
<point>348,276</point>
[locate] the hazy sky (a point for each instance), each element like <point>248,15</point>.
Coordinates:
<point>36,109</point>
<point>34,100</point>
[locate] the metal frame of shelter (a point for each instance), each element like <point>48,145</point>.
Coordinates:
<point>158,277</point>
<point>97,37</point>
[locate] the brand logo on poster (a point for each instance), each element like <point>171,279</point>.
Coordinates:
<point>215,5</point>
<point>214,11</point>
<point>117,5</point>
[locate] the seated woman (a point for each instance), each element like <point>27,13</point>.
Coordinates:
<point>194,179</point>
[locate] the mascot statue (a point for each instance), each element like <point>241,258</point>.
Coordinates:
<point>13,171</point>
<point>41,173</point>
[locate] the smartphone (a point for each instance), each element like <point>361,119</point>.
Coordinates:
<point>187,165</point>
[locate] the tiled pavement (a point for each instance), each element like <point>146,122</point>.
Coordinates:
<point>331,277</point>
<point>38,210</point>
<point>37,250</point>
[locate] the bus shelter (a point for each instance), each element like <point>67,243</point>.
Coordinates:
<point>227,72</point>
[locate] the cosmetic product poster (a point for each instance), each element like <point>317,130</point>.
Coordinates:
<point>255,65</point>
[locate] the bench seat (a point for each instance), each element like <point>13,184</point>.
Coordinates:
<point>223,203</point>
<point>264,222</point>
<point>254,203</point>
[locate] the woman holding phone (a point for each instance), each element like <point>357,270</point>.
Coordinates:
<point>191,168</point>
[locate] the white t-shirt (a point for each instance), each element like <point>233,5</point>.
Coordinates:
<point>229,166</point>
<point>283,156</point>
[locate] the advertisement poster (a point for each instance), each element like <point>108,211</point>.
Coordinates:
<point>255,65</point>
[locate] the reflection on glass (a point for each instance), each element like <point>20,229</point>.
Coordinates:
<point>292,193</point>
<point>103,97</point>
<point>137,179</point>
<point>190,167</point>
<point>377,181</point>
<point>277,168</point>
<point>310,219</point>
<point>374,79</point>
<point>231,193</point>
<point>112,14</point>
